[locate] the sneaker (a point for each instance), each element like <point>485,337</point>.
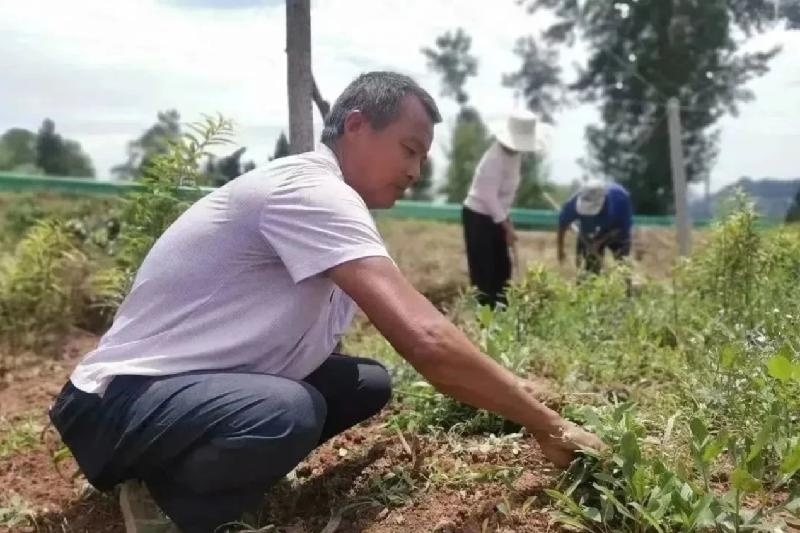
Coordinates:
<point>140,512</point>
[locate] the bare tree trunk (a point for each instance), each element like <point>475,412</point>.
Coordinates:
<point>323,105</point>
<point>300,81</point>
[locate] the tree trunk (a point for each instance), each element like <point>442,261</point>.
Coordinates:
<point>300,81</point>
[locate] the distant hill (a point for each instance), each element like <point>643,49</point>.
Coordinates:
<point>772,197</point>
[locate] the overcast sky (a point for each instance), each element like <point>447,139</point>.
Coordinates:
<point>101,69</point>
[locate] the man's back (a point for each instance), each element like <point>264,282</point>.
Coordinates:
<point>233,283</point>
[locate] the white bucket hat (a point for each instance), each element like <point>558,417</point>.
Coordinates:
<point>519,132</point>
<point>591,198</point>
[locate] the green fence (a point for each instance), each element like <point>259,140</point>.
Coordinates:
<point>523,218</point>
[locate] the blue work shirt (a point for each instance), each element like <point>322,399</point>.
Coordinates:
<point>617,214</point>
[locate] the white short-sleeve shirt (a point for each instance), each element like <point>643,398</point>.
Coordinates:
<point>237,282</point>
<point>495,183</point>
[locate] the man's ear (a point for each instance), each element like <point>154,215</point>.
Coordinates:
<point>354,122</point>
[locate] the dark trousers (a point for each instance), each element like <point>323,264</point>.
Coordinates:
<point>590,255</point>
<point>209,444</point>
<point>487,257</point>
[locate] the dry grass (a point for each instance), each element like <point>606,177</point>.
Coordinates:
<point>432,255</point>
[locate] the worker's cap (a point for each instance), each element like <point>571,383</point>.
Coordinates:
<point>591,198</point>
<point>518,132</point>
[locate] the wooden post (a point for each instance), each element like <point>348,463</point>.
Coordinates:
<point>300,82</point>
<point>683,224</point>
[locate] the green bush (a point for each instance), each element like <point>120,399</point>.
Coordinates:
<point>42,287</point>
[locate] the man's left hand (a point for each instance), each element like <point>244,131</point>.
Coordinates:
<point>510,233</point>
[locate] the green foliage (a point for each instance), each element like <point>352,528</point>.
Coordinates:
<point>76,267</point>
<point>469,142</point>
<point>44,152</point>
<point>17,149</point>
<point>42,287</point>
<point>632,486</point>
<point>452,60</point>
<point>421,190</point>
<point>156,140</point>
<point>220,171</point>
<point>709,359</point>
<point>17,435</point>
<point>281,147</point>
<point>793,213</point>
<point>640,54</point>
<point>538,79</point>
<point>533,184</point>
<point>57,156</point>
<point>89,216</point>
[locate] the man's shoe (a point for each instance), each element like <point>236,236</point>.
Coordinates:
<point>140,512</point>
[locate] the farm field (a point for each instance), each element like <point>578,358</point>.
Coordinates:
<point>693,381</point>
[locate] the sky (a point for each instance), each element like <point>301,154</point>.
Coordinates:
<point>102,69</point>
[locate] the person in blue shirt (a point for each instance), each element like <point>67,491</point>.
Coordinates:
<point>605,217</point>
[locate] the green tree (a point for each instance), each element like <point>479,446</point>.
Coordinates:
<point>154,141</point>
<point>470,140</point>
<point>57,156</point>
<point>422,191</point>
<point>793,214</point>
<point>533,184</point>
<point>281,147</point>
<point>538,79</point>
<point>640,54</point>
<point>17,149</point>
<point>452,60</point>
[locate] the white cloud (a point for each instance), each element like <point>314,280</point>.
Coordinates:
<point>102,69</point>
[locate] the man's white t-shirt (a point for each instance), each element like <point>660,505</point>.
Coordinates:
<point>237,283</point>
<point>495,183</point>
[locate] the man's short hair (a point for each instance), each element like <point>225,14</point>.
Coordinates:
<point>378,96</point>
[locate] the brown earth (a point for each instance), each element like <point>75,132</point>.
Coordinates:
<point>369,479</point>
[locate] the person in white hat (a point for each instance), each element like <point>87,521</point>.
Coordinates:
<point>605,215</point>
<point>488,231</point>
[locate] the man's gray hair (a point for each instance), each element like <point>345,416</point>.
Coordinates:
<point>378,96</point>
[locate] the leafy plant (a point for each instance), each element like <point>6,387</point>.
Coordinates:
<point>168,187</point>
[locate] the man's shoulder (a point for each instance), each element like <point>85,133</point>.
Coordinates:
<point>618,190</point>
<point>302,172</point>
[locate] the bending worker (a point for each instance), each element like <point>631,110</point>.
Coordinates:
<point>605,215</point>
<point>488,231</point>
<point>218,375</point>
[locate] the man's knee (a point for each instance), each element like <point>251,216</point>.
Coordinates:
<point>258,444</point>
<point>376,385</point>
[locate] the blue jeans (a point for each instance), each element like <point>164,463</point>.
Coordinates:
<point>209,444</point>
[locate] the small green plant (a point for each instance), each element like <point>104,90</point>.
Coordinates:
<point>14,511</point>
<point>635,488</point>
<point>18,435</point>
<point>42,287</point>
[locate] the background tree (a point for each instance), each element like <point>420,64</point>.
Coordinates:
<point>17,149</point>
<point>640,54</point>
<point>452,60</point>
<point>154,141</point>
<point>281,147</point>
<point>57,156</point>
<point>533,184</point>
<point>422,190</point>
<point>793,214</point>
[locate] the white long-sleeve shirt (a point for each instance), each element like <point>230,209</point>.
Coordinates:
<point>495,183</point>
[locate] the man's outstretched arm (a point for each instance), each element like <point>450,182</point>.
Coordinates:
<point>448,360</point>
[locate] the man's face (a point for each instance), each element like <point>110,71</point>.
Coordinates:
<point>381,164</point>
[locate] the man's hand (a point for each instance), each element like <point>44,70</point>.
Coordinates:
<point>561,443</point>
<point>447,358</point>
<point>509,232</point>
